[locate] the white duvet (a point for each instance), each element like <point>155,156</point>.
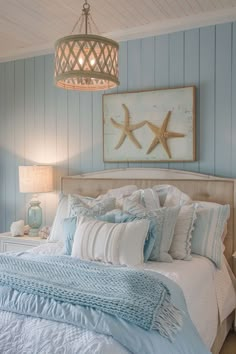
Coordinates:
<point>207,292</point>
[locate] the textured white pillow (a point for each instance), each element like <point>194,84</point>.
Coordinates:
<point>121,193</point>
<point>78,205</point>
<point>57,233</point>
<point>121,243</point>
<point>170,196</point>
<point>181,243</point>
<point>148,198</point>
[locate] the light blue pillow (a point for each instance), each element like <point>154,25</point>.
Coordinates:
<point>208,230</point>
<point>121,217</point>
<point>69,227</point>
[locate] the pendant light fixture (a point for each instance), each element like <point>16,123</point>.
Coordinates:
<point>86,62</point>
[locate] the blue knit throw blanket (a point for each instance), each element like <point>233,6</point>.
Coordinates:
<point>135,296</point>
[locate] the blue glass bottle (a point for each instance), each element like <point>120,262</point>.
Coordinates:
<point>34,217</point>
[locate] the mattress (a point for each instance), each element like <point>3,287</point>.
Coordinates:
<point>208,292</point>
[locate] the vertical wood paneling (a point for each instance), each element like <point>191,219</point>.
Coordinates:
<point>73,132</point>
<point>134,72</point>
<point>50,140</point>
<point>97,133</point>
<point>20,132</point>
<point>10,172</point>
<point>86,132</point>
<point>176,70</point>
<point>2,148</point>
<point>123,76</point>
<point>42,124</point>
<point>62,135</point>
<point>191,78</point>
<point>147,70</point>
<point>223,100</point>
<point>206,117</point>
<point>233,95</point>
<point>39,121</point>
<point>161,72</point>
<point>30,133</point>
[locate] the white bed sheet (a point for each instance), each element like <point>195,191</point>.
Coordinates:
<point>206,290</point>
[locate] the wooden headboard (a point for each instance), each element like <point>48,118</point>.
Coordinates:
<point>197,186</point>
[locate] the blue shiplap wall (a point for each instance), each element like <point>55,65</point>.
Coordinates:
<point>42,124</point>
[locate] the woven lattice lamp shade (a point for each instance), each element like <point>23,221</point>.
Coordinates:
<point>86,62</point>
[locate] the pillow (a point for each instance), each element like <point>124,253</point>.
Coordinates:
<point>208,230</point>
<point>146,197</point>
<point>121,193</point>
<point>108,242</point>
<point>118,216</point>
<point>181,244</point>
<point>171,196</point>
<point>69,228</point>
<point>78,206</point>
<point>57,233</point>
<point>165,220</point>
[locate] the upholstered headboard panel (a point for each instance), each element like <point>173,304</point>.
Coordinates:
<point>197,186</point>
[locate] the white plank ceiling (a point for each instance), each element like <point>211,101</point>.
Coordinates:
<point>30,27</point>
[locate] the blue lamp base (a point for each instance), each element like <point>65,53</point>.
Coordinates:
<point>34,232</point>
<point>34,217</point>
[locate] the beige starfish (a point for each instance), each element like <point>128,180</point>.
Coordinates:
<point>127,129</point>
<point>161,135</point>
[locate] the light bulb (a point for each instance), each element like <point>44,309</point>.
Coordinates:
<point>92,61</point>
<point>81,61</point>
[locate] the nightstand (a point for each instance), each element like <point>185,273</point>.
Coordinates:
<point>9,243</point>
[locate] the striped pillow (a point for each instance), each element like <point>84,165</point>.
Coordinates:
<point>121,243</point>
<point>208,230</point>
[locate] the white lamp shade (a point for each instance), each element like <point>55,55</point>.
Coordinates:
<point>35,179</point>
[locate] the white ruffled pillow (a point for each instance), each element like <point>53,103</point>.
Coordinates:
<point>120,243</point>
<point>181,243</point>
<point>208,231</point>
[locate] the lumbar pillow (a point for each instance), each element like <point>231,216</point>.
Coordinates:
<point>118,216</point>
<point>208,230</point>
<point>108,242</point>
<point>78,206</point>
<point>181,244</point>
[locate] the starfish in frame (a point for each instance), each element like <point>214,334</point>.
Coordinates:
<point>161,135</point>
<point>127,129</point>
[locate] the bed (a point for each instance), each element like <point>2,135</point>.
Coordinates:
<point>199,187</point>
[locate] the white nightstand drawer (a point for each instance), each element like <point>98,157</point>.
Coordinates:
<point>15,247</point>
<point>18,244</point>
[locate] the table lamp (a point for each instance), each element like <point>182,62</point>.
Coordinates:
<point>35,179</point>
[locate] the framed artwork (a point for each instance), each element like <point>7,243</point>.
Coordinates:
<point>148,126</point>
